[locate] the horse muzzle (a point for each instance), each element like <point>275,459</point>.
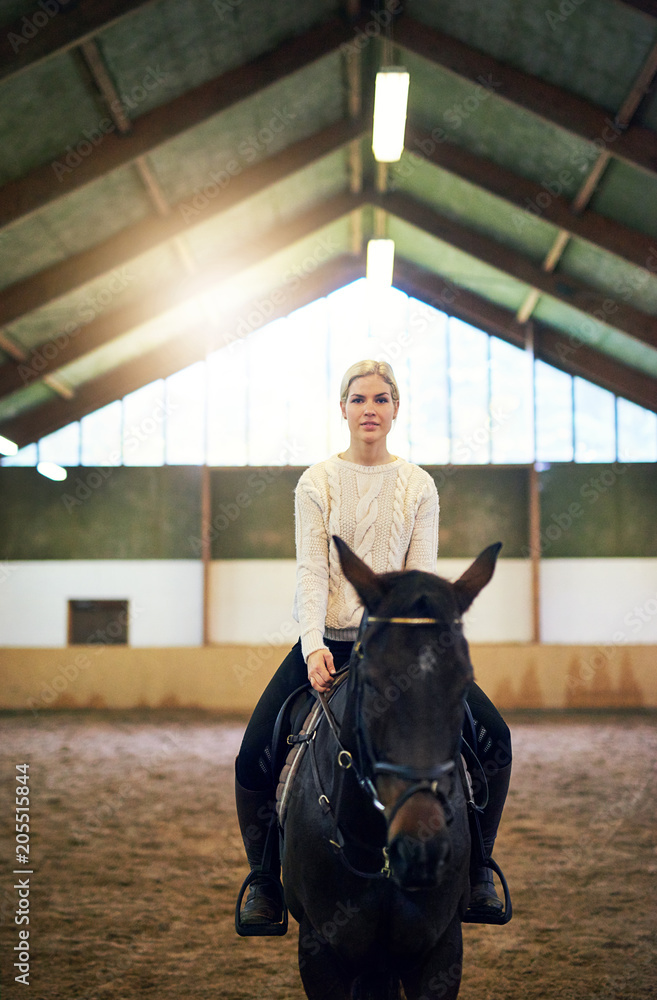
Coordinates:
<point>419,864</point>
<point>419,845</point>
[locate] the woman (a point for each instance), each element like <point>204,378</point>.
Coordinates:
<point>386,510</point>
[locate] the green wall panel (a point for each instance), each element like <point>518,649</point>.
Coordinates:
<point>253,512</point>
<point>113,513</point>
<point>482,505</point>
<point>155,513</point>
<point>599,510</point>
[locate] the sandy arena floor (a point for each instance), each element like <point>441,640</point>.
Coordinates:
<point>137,860</point>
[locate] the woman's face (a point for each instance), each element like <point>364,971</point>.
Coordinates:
<point>369,410</point>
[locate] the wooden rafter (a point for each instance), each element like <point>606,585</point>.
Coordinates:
<point>550,345</point>
<point>169,358</point>
<point>73,272</point>
<point>562,287</point>
<point>156,300</point>
<point>40,33</point>
<point>531,198</point>
<point>45,184</point>
<point>636,145</point>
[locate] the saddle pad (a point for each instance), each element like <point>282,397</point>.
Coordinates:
<point>295,755</point>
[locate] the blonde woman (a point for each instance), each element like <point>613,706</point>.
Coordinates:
<point>386,510</point>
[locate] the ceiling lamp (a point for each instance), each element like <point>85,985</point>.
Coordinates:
<point>380,261</point>
<point>52,471</point>
<point>390,103</point>
<point>7,447</point>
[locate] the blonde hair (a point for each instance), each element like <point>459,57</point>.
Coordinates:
<point>362,368</point>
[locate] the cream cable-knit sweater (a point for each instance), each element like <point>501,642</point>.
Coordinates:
<point>388,515</point>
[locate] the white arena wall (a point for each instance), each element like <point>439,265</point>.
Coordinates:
<point>598,628</point>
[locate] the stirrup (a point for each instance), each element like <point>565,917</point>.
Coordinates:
<point>492,918</point>
<point>260,930</point>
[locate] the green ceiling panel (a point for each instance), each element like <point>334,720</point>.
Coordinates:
<point>186,42</point>
<point>647,111</point>
<point>475,208</point>
<point>26,399</point>
<point>105,293</point>
<point>283,273</point>
<point>594,48</point>
<point>571,321</point>
<point>72,224</point>
<point>456,266</point>
<point>130,346</point>
<point>276,206</point>
<point>14,10</point>
<point>469,114</point>
<point>251,131</point>
<point>628,195</point>
<point>35,129</point>
<point>617,278</point>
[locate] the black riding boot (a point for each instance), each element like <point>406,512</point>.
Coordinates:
<point>484,900</point>
<point>255,811</point>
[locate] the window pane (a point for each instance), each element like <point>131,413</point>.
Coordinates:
<point>554,414</point>
<point>428,397</point>
<point>637,433</point>
<point>226,415</point>
<point>62,446</point>
<point>185,399</point>
<point>306,352</point>
<point>266,409</point>
<point>24,456</point>
<point>144,419</point>
<point>512,408</point>
<point>348,314</point>
<point>468,369</point>
<point>101,436</point>
<point>390,342</point>
<point>595,423</point>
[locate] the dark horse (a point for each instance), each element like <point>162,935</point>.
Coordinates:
<point>376,848</point>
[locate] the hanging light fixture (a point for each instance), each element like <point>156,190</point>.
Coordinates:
<point>390,104</point>
<point>7,447</point>
<point>52,471</point>
<point>380,261</point>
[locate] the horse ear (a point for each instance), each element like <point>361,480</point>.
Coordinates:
<point>359,575</point>
<point>476,576</point>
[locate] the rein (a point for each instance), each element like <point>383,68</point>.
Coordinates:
<point>421,779</point>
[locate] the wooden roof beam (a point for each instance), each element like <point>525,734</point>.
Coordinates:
<point>169,358</point>
<point>560,286</point>
<point>558,349</point>
<point>51,28</point>
<point>636,145</point>
<point>157,300</point>
<point>533,199</point>
<point>45,184</point>
<point>73,272</point>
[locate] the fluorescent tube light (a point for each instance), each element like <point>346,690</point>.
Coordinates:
<point>52,471</point>
<point>7,447</point>
<point>380,261</point>
<point>390,102</point>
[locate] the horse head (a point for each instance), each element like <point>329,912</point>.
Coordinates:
<point>408,688</point>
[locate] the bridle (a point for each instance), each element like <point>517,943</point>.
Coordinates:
<point>420,779</point>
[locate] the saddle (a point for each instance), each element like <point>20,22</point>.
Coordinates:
<point>298,741</point>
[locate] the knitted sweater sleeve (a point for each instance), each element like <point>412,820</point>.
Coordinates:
<point>422,551</point>
<point>312,545</point>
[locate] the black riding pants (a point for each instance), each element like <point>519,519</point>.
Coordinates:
<point>254,760</point>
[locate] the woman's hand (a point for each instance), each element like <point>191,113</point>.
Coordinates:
<point>321,669</point>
